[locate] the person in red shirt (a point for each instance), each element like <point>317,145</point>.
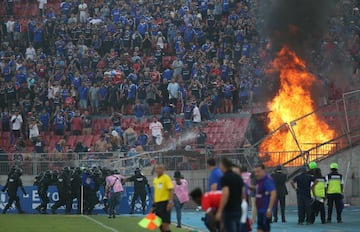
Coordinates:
<point>210,203</point>
<point>76,124</point>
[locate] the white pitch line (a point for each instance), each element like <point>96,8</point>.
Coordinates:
<point>100,223</point>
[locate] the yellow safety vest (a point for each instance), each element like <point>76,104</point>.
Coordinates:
<point>319,188</point>
<point>334,181</point>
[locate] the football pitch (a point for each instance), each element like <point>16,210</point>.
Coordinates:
<point>70,223</point>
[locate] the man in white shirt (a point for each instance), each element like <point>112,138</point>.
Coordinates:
<point>30,52</point>
<point>173,88</point>
<point>156,129</point>
<point>16,121</point>
<point>196,114</point>
<point>82,12</point>
<point>10,26</point>
<point>177,66</point>
<point>42,4</point>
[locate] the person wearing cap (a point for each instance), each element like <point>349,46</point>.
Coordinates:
<point>334,192</point>
<point>281,191</point>
<point>312,167</point>
<point>181,195</point>
<point>302,186</point>
<point>113,189</point>
<point>318,193</point>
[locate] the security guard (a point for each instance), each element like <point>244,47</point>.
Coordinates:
<point>43,182</point>
<point>63,185</point>
<point>303,190</point>
<point>334,192</point>
<point>140,182</point>
<point>280,179</point>
<point>318,193</point>
<point>12,184</point>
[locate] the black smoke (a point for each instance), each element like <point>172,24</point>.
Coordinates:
<point>299,24</point>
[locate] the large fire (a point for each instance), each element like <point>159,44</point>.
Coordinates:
<point>292,101</point>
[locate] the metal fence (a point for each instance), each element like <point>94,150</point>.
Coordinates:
<point>33,163</point>
<point>343,116</point>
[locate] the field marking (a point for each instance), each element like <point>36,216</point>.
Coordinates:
<point>100,223</point>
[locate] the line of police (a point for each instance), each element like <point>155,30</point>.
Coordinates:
<point>313,189</point>
<point>68,183</point>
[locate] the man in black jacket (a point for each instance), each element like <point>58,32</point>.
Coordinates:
<point>43,182</point>
<point>281,190</point>
<point>140,182</point>
<point>63,185</point>
<point>11,186</point>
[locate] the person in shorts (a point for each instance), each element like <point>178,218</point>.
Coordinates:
<point>265,197</point>
<point>163,197</point>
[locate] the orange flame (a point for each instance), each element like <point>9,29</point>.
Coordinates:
<point>293,101</point>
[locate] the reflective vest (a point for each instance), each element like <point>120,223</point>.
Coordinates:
<point>319,188</point>
<point>334,182</point>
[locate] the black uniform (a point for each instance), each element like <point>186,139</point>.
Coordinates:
<point>140,182</point>
<point>63,185</point>
<point>90,199</point>
<point>43,182</point>
<point>303,182</point>
<point>75,182</point>
<point>12,184</point>
<point>281,191</point>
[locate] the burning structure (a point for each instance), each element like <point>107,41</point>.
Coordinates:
<point>294,28</point>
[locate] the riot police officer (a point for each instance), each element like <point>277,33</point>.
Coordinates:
<point>12,184</point>
<point>43,182</point>
<point>318,193</point>
<point>334,191</point>
<point>63,185</point>
<point>89,191</point>
<point>75,182</point>
<point>140,182</point>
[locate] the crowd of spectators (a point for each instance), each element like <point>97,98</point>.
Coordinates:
<point>106,57</point>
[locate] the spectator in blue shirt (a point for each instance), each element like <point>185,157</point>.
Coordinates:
<point>59,123</point>
<point>132,93</point>
<point>83,95</point>
<point>215,175</point>
<point>44,118</point>
<point>38,36</point>
<point>142,27</point>
<point>142,139</point>
<point>139,110</point>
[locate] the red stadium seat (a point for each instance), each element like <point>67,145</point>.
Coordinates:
<point>88,140</point>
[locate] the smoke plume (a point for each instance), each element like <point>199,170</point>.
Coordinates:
<point>299,24</point>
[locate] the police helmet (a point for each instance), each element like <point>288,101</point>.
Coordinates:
<point>88,172</point>
<point>334,166</point>
<point>312,165</point>
<point>19,171</point>
<point>55,173</point>
<point>137,171</point>
<point>97,173</point>
<point>47,173</point>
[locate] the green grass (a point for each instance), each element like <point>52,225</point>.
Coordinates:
<point>70,223</point>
